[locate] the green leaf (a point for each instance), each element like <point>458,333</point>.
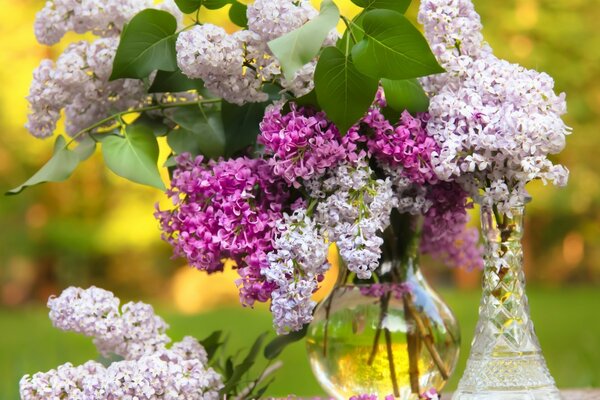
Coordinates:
<point>133,156</point>
<point>237,14</point>
<point>299,47</point>
<point>395,5</point>
<point>86,148</point>
<point>188,6</point>
<point>215,4</point>
<point>155,124</point>
<point>147,44</point>
<point>277,345</point>
<point>393,48</point>
<point>246,364</point>
<point>57,169</point>
<point>346,42</point>
<point>201,132</point>
<point>241,125</point>
<point>174,82</point>
<point>407,94</point>
<point>344,93</point>
<point>212,343</point>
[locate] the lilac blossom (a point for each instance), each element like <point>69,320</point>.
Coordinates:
<point>296,266</point>
<point>354,210</point>
<point>225,209</point>
<point>397,290</point>
<point>301,144</point>
<point>445,234</point>
<point>405,145</point>
<point>496,123</point>
<point>130,332</point>
<point>148,371</point>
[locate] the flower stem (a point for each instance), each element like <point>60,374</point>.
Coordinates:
<point>385,300</point>
<point>390,354</point>
<point>427,339</point>
<point>413,343</point>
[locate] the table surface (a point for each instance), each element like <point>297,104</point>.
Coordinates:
<point>588,394</point>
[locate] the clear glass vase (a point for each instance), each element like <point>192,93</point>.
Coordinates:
<point>391,337</point>
<point>506,360</point>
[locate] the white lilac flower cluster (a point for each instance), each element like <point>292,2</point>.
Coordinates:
<point>411,197</point>
<point>149,370</point>
<point>130,332</point>
<point>296,266</point>
<point>104,18</point>
<point>496,122</point>
<point>353,211</point>
<point>79,83</point>
<point>235,66</point>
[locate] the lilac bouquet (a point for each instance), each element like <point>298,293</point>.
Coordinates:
<point>285,136</point>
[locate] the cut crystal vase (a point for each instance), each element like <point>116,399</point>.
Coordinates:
<point>506,360</point>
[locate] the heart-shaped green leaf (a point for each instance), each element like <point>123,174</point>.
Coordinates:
<point>241,125</point>
<point>344,93</point>
<point>57,169</point>
<point>174,82</point>
<point>188,6</point>
<point>216,4</point>
<point>299,47</point>
<point>237,14</point>
<point>393,48</point>
<point>396,5</point>
<point>147,44</point>
<point>133,156</point>
<point>405,94</point>
<point>200,132</point>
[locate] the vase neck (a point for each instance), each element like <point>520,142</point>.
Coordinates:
<point>504,323</point>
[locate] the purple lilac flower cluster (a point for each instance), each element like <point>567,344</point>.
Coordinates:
<point>445,233</point>
<point>149,370</point>
<point>405,145</point>
<point>302,144</point>
<point>226,210</point>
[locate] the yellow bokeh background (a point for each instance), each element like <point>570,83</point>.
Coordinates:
<point>98,228</point>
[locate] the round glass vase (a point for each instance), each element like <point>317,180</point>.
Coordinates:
<point>506,360</point>
<point>394,337</point>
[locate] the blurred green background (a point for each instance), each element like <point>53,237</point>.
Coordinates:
<point>98,229</point>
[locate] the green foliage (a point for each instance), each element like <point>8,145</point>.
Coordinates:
<point>173,82</point>
<point>147,44</point>
<point>344,93</point>
<point>237,14</point>
<point>395,5</point>
<point>393,48</point>
<point>299,47</point>
<point>57,169</point>
<point>133,156</point>
<point>233,382</point>
<point>407,94</point>
<point>216,4</point>
<point>274,348</point>
<point>200,132</point>
<point>212,343</point>
<point>241,124</point>
<point>188,6</point>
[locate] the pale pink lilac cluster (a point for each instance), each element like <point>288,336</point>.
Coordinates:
<point>130,331</point>
<point>495,122</point>
<point>353,210</point>
<point>378,290</point>
<point>236,66</point>
<point>78,83</point>
<point>297,264</point>
<point>180,372</point>
<point>226,209</point>
<point>445,234</point>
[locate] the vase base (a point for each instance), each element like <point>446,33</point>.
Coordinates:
<point>546,393</point>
